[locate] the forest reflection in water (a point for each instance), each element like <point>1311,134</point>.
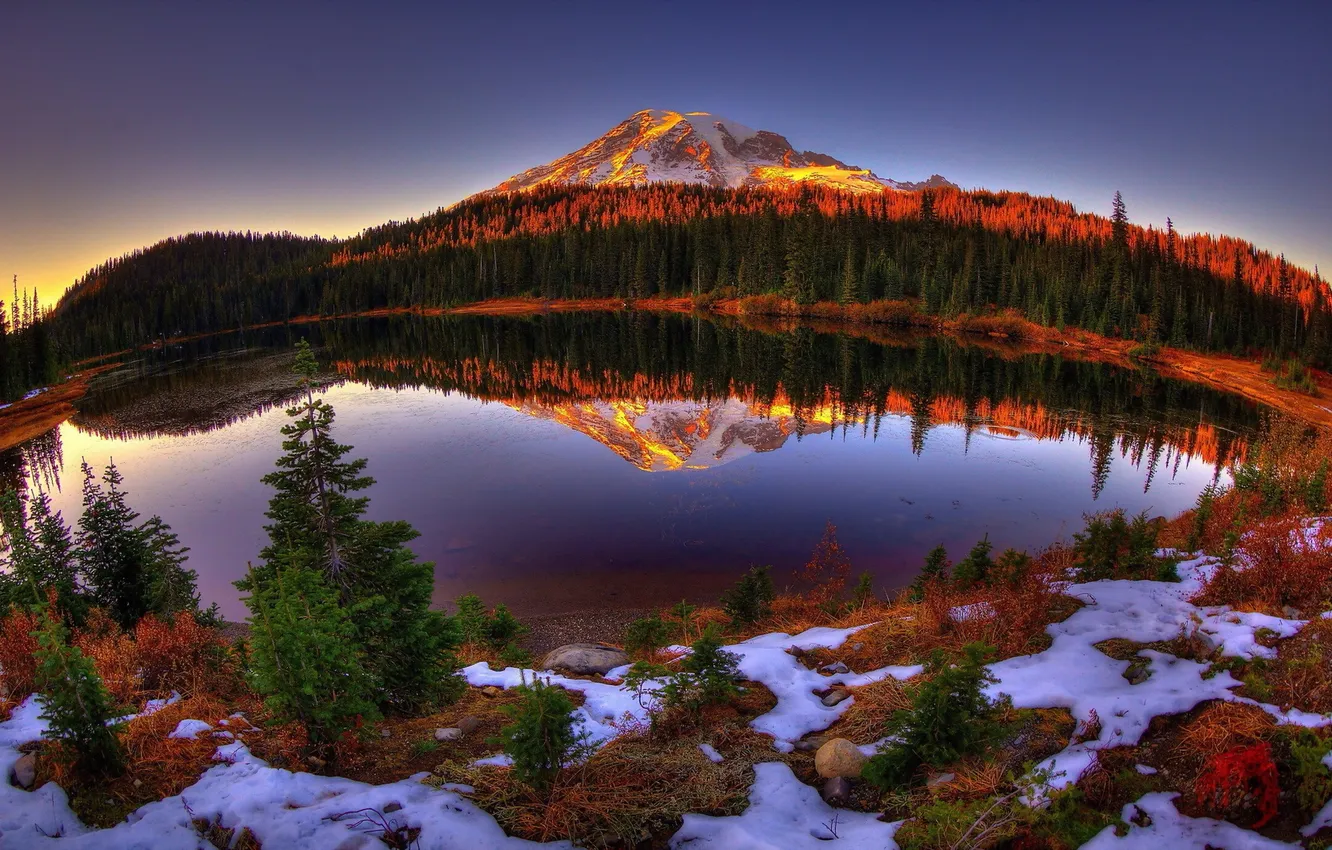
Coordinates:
<point>521,447</point>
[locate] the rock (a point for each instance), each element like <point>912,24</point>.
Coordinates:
<point>469,724</point>
<point>451,734</point>
<point>835,696</point>
<point>315,761</point>
<point>1291,613</point>
<point>1136,674</point>
<point>809,745</point>
<point>138,783</point>
<point>25,770</point>
<point>491,691</point>
<point>835,667</point>
<point>837,791</point>
<point>856,647</point>
<point>839,757</point>
<point>392,807</point>
<point>939,779</point>
<point>586,659</point>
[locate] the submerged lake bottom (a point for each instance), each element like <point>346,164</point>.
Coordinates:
<point>577,462</point>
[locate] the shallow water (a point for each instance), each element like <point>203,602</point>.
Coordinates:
<point>567,462</point>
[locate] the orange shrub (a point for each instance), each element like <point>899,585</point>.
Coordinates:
<point>1244,778</point>
<point>1283,563</point>
<point>179,655</point>
<point>826,571</point>
<point>18,662</point>
<point>113,654</point>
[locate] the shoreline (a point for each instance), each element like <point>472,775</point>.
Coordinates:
<point>1005,335</point>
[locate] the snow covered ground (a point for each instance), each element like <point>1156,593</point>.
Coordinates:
<point>300,810</point>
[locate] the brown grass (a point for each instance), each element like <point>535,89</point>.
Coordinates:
<point>1281,566</point>
<point>1301,676</point>
<point>158,766</point>
<point>871,706</point>
<point>1222,726</point>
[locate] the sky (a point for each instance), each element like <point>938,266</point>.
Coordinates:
<point>124,123</point>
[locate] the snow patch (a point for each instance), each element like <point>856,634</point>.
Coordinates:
<point>1168,828</point>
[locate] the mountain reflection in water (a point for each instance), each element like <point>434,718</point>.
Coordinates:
<point>490,435</point>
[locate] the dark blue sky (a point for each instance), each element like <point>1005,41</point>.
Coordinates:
<point>122,123</point>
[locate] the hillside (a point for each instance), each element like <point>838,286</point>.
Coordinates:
<point>950,251</point>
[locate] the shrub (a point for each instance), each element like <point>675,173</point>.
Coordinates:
<point>18,654</point>
<point>113,654</point>
<point>542,737</point>
<point>863,592</point>
<point>179,654</point>
<point>1012,569</point>
<point>1113,546</point>
<point>935,570</point>
<point>496,628</point>
<point>827,569</point>
<point>1313,780</point>
<point>751,599</point>
<point>646,635</point>
<point>684,612</point>
<point>950,717</point>
<point>1282,563</point>
<point>975,568</point>
<point>513,655</point>
<point>76,705</point>
<point>1244,776</point>
<point>706,677</point>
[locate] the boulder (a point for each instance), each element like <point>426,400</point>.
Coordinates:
<point>835,696</point>
<point>837,791</point>
<point>491,691</point>
<point>835,667</point>
<point>451,734</point>
<point>585,659</point>
<point>839,757</point>
<point>25,771</point>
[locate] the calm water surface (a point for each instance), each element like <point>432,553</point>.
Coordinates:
<point>566,462</point>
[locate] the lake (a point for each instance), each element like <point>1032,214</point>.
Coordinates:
<point>568,462</point>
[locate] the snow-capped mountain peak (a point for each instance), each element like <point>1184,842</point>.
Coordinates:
<point>655,146</point>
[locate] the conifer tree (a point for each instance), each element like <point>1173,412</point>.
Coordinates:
<point>76,705</point>
<point>111,550</point>
<point>975,568</point>
<point>316,525</point>
<point>39,557</point>
<point>304,654</point>
<point>935,569</point>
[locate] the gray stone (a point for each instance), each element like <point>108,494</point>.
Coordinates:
<point>392,807</point>
<point>809,745</point>
<point>835,696</point>
<point>1136,674</point>
<point>856,647</point>
<point>25,770</point>
<point>1291,613</point>
<point>835,667</point>
<point>837,790</point>
<point>451,734</point>
<point>586,659</point>
<point>469,724</point>
<point>940,779</point>
<point>384,733</point>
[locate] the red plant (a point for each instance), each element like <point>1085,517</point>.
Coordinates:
<point>828,568</point>
<point>18,660</point>
<point>177,655</point>
<point>112,653</point>
<point>1244,776</point>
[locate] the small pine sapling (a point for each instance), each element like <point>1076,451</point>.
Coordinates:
<point>935,570</point>
<point>975,568</point>
<point>950,717</point>
<point>646,635</point>
<point>750,600</point>
<point>863,592</point>
<point>542,737</point>
<point>76,705</point>
<point>684,612</point>
<point>714,670</point>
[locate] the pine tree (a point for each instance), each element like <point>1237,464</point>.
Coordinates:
<point>935,570</point>
<point>40,556</point>
<point>112,553</point>
<point>851,291</point>
<point>975,568</point>
<point>316,525</point>
<point>304,654</point>
<point>76,705</point>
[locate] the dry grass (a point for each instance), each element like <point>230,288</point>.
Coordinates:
<point>637,787</point>
<point>158,766</point>
<point>871,706</point>
<point>1301,676</point>
<point>1283,564</point>
<point>1222,726</point>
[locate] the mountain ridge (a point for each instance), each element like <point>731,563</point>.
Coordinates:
<point>700,148</point>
